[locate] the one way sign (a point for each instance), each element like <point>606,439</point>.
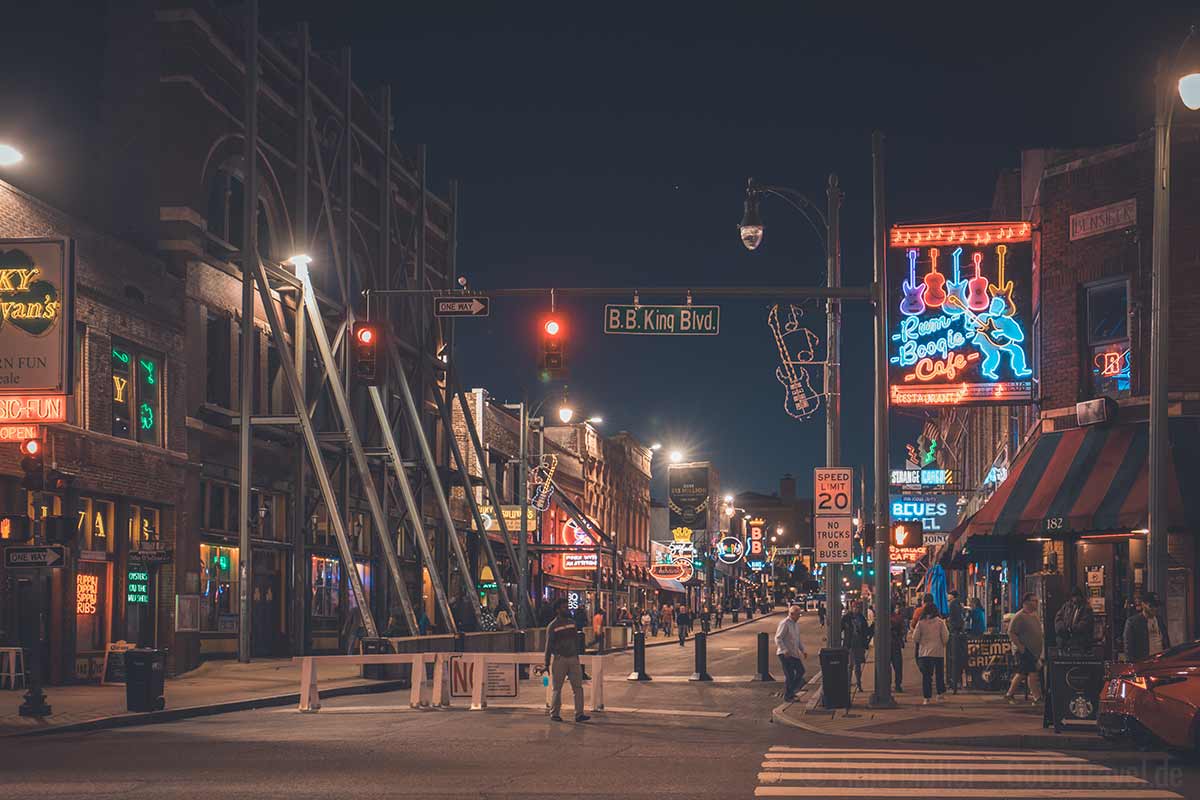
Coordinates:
<point>461,306</point>
<point>51,555</point>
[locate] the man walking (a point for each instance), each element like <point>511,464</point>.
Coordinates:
<point>1025,633</point>
<point>956,655</point>
<point>562,642</point>
<point>683,621</point>
<point>791,652</point>
<point>668,618</point>
<point>856,637</point>
<point>899,625</point>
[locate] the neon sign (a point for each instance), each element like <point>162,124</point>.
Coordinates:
<point>960,336</point>
<point>730,550</point>
<point>87,593</point>
<point>572,534</point>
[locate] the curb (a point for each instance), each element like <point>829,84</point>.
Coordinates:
<point>173,714</point>
<point>1019,741</point>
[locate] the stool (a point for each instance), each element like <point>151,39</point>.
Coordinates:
<point>12,667</point>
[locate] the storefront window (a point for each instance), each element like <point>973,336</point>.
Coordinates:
<point>91,595</point>
<point>1108,338</point>
<point>365,576</point>
<point>326,577</point>
<point>94,523</point>
<point>143,526</point>
<point>136,394</point>
<point>219,588</point>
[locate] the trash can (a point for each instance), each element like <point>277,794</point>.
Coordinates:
<point>375,647</point>
<point>835,677</point>
<point>145,669</point>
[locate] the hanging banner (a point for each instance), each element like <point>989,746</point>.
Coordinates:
<point>687,495</point>
<point>37,281</point>
<point>961,314</point>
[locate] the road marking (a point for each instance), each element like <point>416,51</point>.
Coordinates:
<point>861,762</point>
<point>901,755</point>
<point>910,751</point>
<point>1003,792</point>
<point>927,777</point>
<point>676,712</point>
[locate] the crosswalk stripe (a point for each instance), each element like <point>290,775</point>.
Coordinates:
<point>1102,779</point>
<point>1001,792</point>
<point>994,766</point>
<point>918,755</point>
<point>785,749</point>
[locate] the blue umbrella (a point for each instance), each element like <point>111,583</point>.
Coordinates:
<point>935,582</point>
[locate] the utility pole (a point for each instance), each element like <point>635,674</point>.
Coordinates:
<point>882,696</point>
<point>833,393</point>
<point>35,704</point>
<point>246,373</point>
<point>522,534</point>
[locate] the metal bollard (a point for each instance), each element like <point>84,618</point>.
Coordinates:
<point>764,658</point>
<point>519,647</point>
<point>701,643</point>
<point>735,616</point>
<point>639,658</point>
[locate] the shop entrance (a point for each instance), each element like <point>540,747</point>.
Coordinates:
<point>267,633</point>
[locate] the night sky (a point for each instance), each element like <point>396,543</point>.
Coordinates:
<point>609,145</point>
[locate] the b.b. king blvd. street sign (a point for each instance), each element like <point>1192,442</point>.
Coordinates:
<point>663,320</point>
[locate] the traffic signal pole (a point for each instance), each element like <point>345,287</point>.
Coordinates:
<point>833,394</point>
<point>35,704</point>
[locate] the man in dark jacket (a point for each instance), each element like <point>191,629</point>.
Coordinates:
<point>1073,624</point>
<point>562,642</point>
<point>899,625</point>
<point>956,654</point>
<point>856,637</point>
<point>1145,631</point>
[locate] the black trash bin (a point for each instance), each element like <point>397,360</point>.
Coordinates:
<point>835,677</point>
<point>375,647</point>
<point>145,669</point>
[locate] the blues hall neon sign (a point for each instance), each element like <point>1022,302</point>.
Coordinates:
<point>961,332</point>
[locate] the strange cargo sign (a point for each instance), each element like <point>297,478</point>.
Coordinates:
<point>37,279</point>
<point>960,314</point>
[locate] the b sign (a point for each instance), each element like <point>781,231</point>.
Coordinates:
<point>833,491</point>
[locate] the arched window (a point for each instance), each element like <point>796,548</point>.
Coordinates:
<point>226,199</point>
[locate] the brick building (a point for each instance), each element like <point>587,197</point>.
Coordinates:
<point>1053,500</point>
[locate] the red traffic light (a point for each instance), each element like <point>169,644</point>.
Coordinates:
<point>551,327</point>
<point>31,447</point>
<point>365,335</point>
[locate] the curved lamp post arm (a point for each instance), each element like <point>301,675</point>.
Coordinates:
<point>811,212</point>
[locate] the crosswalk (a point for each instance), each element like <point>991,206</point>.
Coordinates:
<point>868,772</point>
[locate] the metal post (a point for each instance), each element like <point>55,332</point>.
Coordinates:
<point>882,696</point>
<point>764,658</point>
<point>833,393</point>
<point>35,704</point>
<point>245,381</point>
<point>639,658</point>
<point>700,645</point>
<point>1160,312</point>
<point>300,571</point>
<point>522,535</point>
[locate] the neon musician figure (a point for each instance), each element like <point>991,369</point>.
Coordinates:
<point>935,282</point>
<point>996,332</point>
<point>956,290</point>
<point>913,303</point>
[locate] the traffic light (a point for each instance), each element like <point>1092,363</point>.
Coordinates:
<point>14,528</point>
<point>554,357</point>
<point>31,464</point>
<point>909,533</point>
<point>366,337</point>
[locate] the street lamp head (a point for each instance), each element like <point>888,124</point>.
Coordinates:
<point>596,420</point>
<point>676,456</point>
<point>1189,90</point>
<point>728,498</point>
<point>10,155</point>
<point>656,446</point>
<point>300,263</point>
<point>779,530</point>
<point>565,413</point>
<point>751,226</point>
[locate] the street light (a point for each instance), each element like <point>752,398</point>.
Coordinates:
<point>596,420</point>
<point>751,227</point>
<point>675,456</point>
<point>656,446</point>
<point>728,499</point>
<point>565,413</point>
<point>10,155</point>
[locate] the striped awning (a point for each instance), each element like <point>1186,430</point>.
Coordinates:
<point>1088,480</point>
<point>668,584</point>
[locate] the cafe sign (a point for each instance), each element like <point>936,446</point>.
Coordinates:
<point>37,280</point>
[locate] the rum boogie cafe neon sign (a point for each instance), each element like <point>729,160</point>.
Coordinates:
<point>960,314</point>
<point>37,281</point>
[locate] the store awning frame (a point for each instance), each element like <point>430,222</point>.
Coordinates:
<point>668,584</point>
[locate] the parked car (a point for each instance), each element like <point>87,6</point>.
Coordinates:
<point>1155,700</point>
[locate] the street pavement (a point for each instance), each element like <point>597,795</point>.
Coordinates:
<point>675,739</point>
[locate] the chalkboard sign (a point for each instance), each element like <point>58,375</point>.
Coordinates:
<point>989,662</point>
<point>114,663</point>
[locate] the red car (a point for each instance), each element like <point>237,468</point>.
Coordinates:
<point>1156,700</point>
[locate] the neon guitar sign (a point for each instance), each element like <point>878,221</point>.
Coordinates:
<point>800,400</point>
<point>961,338</point>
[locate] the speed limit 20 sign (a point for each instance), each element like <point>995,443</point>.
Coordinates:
<point>833,491</point>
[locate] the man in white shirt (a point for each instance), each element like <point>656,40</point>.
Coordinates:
<point>791,652</point>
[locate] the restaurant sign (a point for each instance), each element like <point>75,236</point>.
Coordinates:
<point>37,280</point>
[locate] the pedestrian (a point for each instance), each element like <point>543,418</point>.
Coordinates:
<point>791,652</point>
<point>1027,638</point>
<point>899,628</point>
<point>706,618</point>
<point>856,637</point>
<point>929,639</point>
<point>1074,623</point>
<point>821,612</point>
<point>720,612</point>
<point>977,619</point>
<point>654,619</point>
<point>598,625</point>
<point>645,621</point>
<point>1145,631</point>
<point>422,623</point>
<point>926,599</point>
<point>956,654</point>
<point>562,643</point>
<point>683,621</point>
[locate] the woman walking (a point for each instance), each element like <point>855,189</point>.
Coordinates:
<point>929,639</point>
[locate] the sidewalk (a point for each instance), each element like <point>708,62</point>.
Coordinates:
<point>969,717</point>
<point>214,687</point>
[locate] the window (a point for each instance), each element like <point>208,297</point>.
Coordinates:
<point>1109,351</point>
<point>326,576</point>
<point>226,200</point>
<point>136,394</point>
<point>143,526</point>
<point>217,496</point>
<point>95,523</point>
<point>360,532</point>
<point>219,355</point>
<point>219,588</point>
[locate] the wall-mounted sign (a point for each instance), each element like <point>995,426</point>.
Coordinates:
<point>938,512</point>
<point>682,534</point>
<point>906,555</point>
<point>686,320</point>
<point>31,408</point>
<point>963,292</point>
<point>87,593</point>
<point>512,518</point>
<point>754,541</point>
<point>756,564</point>
<point>917,479</point>
<point>137,587</point>
<point>572,534</point>
<point>37,281</point>
<point>1112,217</point>
<point>19,433</point>
<point>687,496</point>
<point>670,571</point>
<point>730,550</point>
